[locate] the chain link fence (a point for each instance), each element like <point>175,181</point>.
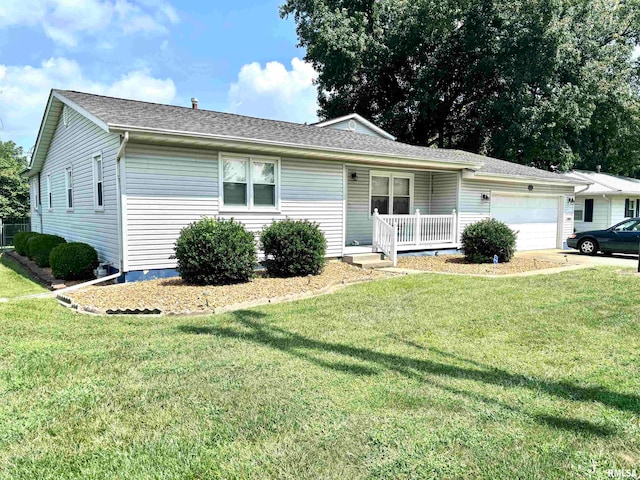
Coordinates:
<point>9,227</point>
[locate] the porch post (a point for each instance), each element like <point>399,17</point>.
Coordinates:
<point>375,230</point>
<point>416,228</point>
<point>454,227</point>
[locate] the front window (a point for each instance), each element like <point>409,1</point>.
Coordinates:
<point>69,187</point>
<point>631,208</point>
<point>249,182</point>
<point>391,193</point>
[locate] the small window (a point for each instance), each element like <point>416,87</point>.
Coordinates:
<point>588,210</point>
<point>69,187</point>
<point>49,193</point>
<point>98,190</point>
<point>578,215</point>
<point>391,193</point>
<point>249,182</point>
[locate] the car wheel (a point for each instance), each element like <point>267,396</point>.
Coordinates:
<point>588,247</point>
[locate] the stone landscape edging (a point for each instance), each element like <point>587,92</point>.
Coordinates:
<point>68,302</point>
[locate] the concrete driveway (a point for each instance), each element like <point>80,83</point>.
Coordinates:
<point>574,258</point>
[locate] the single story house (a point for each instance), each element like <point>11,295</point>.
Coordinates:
<point>126,176</point>
<point>608,200</point>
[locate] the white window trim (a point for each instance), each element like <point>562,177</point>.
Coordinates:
<point>67,169</point>
<point>250,207</point>
<point>49,193</point>
<point>94,157</point>
<point>581,210</point>
<point>391,175</point>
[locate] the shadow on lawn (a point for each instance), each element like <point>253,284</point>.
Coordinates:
<point>251,326</point>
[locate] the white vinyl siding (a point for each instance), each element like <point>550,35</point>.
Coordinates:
<point>601,213</point>
<point>73,146</point>
<point>168,188</point>
<point>473,209</point>
<point>607,211</point>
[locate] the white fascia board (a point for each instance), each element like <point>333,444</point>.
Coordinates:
<point>26,171</point>
<point>359,118</point>
<point>286,148</point>
<point>497,177</point>
<point>81,110</point>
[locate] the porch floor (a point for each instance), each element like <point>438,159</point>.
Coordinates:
<point>403,249</point>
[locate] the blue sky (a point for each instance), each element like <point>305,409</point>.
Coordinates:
<point>237,56</point>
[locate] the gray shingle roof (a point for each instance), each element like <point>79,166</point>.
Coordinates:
<point>118,111</point>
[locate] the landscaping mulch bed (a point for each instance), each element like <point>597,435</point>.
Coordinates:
<point>40,274</point>
<point>172,296</point>
<point>456,264</point>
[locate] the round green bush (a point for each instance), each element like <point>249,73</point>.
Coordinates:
<point>20,241</point>
<point>293,248</point>
<point>482,240</point>
<point>39,248</point>
<point>216,252</point>
<point>73,261</point>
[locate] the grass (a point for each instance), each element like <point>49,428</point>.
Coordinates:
<point>14,281</point>
<point>415,377</point>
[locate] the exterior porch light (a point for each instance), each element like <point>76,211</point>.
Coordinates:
<point>354,176</point>
<point>485,197</point>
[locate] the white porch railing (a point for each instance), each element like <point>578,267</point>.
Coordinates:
<point>412,231</point>
<point>385,237</point>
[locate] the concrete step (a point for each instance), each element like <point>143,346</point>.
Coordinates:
<point>368,264</point>
<point>361,257</point>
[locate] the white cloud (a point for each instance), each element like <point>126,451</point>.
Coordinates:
<point>67,21</point>
<point>275,92</point>
<point>636,52</point>
<point>24,90</point>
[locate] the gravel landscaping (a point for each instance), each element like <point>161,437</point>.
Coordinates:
<point>172,296</point>
<point>456,264</point>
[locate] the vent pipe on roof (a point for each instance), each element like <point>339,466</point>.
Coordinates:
<point>194,103</point>
<point>598,168</point>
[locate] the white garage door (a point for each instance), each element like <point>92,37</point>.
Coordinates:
<point>535,218</point>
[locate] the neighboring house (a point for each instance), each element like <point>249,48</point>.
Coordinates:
<point>607,201</point>
<point>126,176</point>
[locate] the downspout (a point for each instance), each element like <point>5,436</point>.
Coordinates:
<point>121,150</point>
<point>604,195</point>
<point>39,204</point>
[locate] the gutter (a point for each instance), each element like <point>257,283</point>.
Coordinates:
<point>519,178</point>
<point>230,141</point>
<point>119,155</point>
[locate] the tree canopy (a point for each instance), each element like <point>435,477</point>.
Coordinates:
<point>549,83</point>
<point>14,190</point>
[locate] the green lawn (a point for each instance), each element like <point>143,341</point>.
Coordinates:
<point>13,282</point>
<point>415,377</point>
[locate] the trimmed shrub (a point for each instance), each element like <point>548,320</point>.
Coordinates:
<point>39,248</point>
<point>293,248</point>
<point>20,241</point>
<point>216,252</point>
<point>73,261</point>
<point>482,240</point>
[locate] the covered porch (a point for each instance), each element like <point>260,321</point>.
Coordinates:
<point>396,210</point>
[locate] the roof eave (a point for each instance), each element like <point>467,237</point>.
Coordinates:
<point>510,178</point>
<point>286,148</point>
